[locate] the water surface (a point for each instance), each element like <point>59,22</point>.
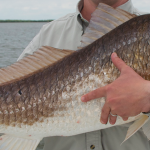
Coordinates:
<point>14,37</point>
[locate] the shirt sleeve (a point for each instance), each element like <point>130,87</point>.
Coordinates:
<point>32,47</point>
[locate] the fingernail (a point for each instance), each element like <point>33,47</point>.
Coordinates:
<point>111,123</point>
<point>102,121</point>
<point>82,99</point>
<point>115,55</point>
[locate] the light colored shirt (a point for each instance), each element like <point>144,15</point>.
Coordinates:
<point>65,33</point>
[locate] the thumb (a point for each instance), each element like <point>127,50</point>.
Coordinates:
<point>119,63</point>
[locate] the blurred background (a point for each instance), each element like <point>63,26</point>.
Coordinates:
<point>46,9</point>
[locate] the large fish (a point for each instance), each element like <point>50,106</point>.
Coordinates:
<point>40,94</point>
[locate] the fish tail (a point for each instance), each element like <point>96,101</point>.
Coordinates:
<point>9,142</point>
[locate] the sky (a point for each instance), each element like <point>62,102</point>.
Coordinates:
<point>47,9</point>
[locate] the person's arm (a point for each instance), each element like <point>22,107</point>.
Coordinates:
<point>127,96</point>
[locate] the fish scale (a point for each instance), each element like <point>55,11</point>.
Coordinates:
<point>43,99</point>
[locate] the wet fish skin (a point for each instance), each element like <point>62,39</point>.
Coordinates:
<point>50,98</point>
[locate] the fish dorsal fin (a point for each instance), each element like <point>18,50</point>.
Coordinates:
<point>136,126</point>
<point>104,19</point>
<point>40,59</point>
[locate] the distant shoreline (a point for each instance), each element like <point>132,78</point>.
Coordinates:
<point>11,21</point>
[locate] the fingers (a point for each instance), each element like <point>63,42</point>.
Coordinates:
<point>125,118</point>
<point>112,119</point>
<point>119,63</point>
<point>105,114</point>
<point>100,92</point>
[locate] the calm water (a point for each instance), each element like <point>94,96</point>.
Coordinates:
<point>14,37</point>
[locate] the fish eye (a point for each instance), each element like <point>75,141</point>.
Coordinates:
<point>20,92</point>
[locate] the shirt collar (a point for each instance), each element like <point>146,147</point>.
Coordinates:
<point>128,6</point>
<point>81,20</point>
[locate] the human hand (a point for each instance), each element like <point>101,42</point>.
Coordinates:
<point>127,96</point>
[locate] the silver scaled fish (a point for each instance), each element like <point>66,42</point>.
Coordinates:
<point>40,95</point>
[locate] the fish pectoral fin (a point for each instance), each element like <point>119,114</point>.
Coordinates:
<point>104,19</point>
<point>136,126</point>
<point>146,129</point>
<point>10,142</point>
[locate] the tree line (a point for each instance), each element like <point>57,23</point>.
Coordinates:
<point>25,20</point>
